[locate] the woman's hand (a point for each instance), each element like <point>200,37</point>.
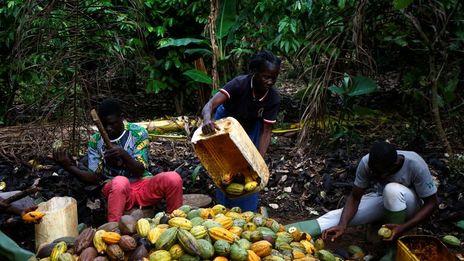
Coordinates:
<point>209,127</point>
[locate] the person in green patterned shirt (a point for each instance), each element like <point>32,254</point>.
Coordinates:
<point>123,168</point>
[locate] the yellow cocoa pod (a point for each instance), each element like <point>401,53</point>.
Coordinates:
<point>155,233</point>
<point>58,249</point>
<point>250,186</point>
<point>65,257</point>
<point>160,255</point>
<point>178,213</point>
<point>319,244</point>
<point>248,216</point>
<point>298,246</point>
<point>180,222</point>
<point>385,232</point>
<point>98,242</point>
<point>298,254</point>
<point>262,248</point>
<point>296,233</point>
<point>111,237</point>
<point>207,213</point>
<point>226,179</point>
<point>309,247</point>
<point>199,231</point>
<point>252,256</point>
<point>176,251</point>
<point>250,226</point>
<point>32,216</point>
<point>221,233</point>
<point>226,222</point>
<point>219,209</point>
<point>236,230</point>
<point>284,237</point>
<point>233,215</point>
<point>142,227</point>
<point>163,226</point>
<point>235,189</point>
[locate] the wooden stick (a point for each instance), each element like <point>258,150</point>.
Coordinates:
<point>5,203</point>
<point>102,131</point>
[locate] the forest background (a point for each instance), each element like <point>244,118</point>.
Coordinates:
<point>351,63</point>
<point>353,72</point>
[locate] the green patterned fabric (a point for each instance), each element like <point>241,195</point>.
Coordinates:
<point>134,140</point>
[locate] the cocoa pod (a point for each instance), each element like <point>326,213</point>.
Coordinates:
<point>115,252</point>
<point>127,243</point>
<point>88,254</point>
<point>138,254</point>
<point>70,241</point>
<point>137,214</point>
<point>65,257</point>
<point>110,227</point>
<point>100,258</point>
<point>45,250</point>
<point>84,240</point>
<point>127,225</point>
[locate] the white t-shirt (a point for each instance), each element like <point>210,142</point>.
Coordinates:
<point>414,174</point>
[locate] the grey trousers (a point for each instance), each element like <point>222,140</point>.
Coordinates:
<point>395,197</point>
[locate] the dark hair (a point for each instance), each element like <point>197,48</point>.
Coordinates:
<point>110,106</point>
<point>258,61</point>
<point>382,154</point>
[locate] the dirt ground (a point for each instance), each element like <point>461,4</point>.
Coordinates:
<point>302,186</point>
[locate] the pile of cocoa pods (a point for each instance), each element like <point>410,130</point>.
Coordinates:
<point>215,233</point>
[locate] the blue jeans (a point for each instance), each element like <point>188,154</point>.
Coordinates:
<point>249,202</point>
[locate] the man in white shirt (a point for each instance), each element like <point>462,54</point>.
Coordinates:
<point>405,195</point>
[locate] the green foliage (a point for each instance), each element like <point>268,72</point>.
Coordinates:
<point>344,135</point>
<point>456,164</point>
<point>401,4</point>
<point>356,86</point>
<point>226,18</point>
<point>198,76</point>
<point>174,30</point>
<point>195,173</point>
<point>51,53</point>
<point>54,51</point>
<point>351,87</point>
<point>168,42</point>
<point>418,40</point>
<point>412,135</point>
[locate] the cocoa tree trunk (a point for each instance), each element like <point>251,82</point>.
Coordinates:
<point>434,77</point>
<point>212,36</point>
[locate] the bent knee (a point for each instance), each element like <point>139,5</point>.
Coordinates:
<point>120,183</point>
<point>174,179</point>
<point>393,189</point>
<point>394,197</point>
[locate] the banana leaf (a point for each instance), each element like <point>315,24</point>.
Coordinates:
<point>180,42</point>
<point>226,18</point>
<point>198,76</point>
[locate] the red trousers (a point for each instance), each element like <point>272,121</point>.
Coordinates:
<point>123,195</point>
